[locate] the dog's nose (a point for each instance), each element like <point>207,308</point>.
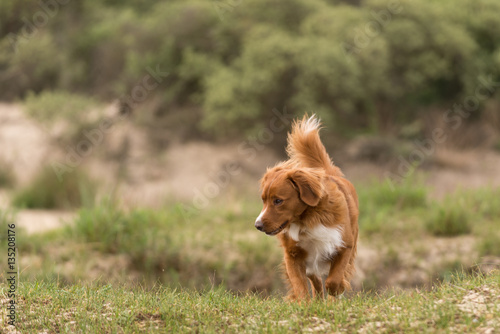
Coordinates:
<point>259,225</point>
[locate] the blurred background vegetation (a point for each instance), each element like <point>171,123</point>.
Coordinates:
<point>364,66</point>
<point>208,76</point>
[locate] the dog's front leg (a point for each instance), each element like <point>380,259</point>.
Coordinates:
<point>335,283</point>
<point>316,286</point>
<point>296,272</point>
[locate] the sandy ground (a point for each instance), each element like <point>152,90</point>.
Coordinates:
<point>25,145</point>
<point>34,221</point>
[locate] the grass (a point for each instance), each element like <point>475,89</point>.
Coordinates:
<point>468,304</point>
<point>48,192</point>
<point>385,205</point>
<point>181,246</point>
<point>175,246</point>
<point>448,219</point>
<point>178,246</point>
<point>410,193</point>
<point>490,244</point>
<point>483,202</point>
<point>7,217</point>
<point>145,235</point>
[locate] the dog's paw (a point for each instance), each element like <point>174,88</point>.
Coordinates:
<point>290,297</point>
<point>293,298</point>
<point>335,287</point>
<point>331,299</point>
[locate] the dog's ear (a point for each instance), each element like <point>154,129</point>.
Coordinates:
<point>309,185</point>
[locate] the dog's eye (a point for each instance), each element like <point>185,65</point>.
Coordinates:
<point>278,201</point>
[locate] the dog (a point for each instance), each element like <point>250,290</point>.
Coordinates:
<point>313,210</point>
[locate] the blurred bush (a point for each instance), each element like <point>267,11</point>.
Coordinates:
<point>66,115</point>
<point>46,191</point>
<point>363,66</point>
<point>51,106</point>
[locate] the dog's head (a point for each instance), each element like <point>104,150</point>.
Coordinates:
<point>286,193</point>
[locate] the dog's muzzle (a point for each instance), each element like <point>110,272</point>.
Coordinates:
<point>260,226</point>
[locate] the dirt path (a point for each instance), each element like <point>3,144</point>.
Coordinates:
<point>25,145</point>
<point>35,221</point>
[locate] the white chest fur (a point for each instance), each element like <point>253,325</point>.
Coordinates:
<point>321,244</point>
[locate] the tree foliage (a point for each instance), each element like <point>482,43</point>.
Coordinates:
<point>231,62</point>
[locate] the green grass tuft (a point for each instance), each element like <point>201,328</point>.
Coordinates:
<point>410,193</point>
<point>490,244</point>
<point>448,219</point>
<point>145,235</point>
<point>46,191</point>
<point>483,202</point>
<point>383,203</point>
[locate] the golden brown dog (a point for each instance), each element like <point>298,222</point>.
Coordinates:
<point>313,210</point>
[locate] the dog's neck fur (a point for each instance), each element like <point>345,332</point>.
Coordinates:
<point>326,213</point>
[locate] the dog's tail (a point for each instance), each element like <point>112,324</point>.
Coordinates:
<point>305,147</point>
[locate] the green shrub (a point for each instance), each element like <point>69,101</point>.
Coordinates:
<point>67,115</point>
<point>448,219</point>
<point>30,65</point>
<point>231,63</point>
<point>51,106</point>
<point>46,191</point>
<point>143,234</point>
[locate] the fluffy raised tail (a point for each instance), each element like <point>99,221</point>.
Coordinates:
<point>305,147</point>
